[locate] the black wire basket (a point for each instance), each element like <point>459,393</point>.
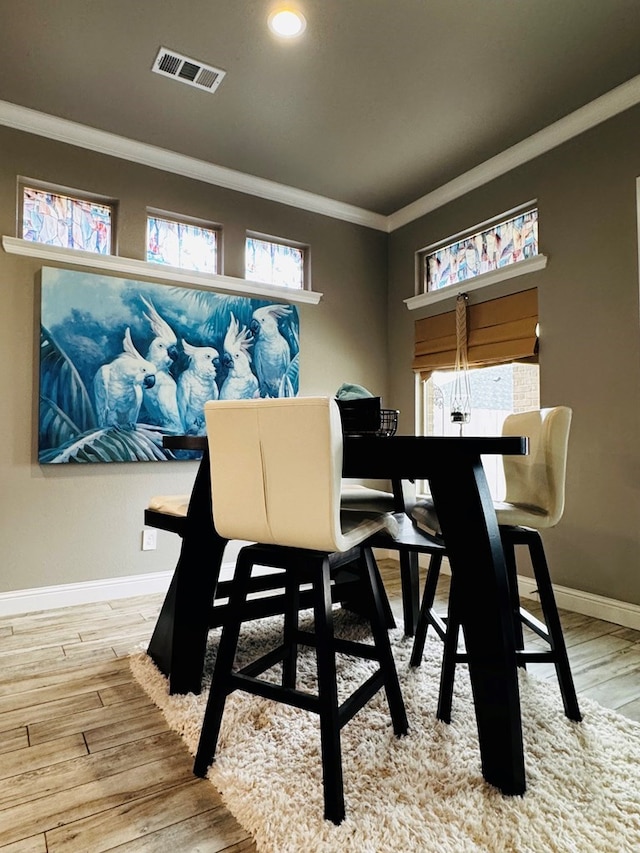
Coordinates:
<point>388,422</point>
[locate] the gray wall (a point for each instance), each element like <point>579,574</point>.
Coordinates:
<point>74,523</point>
<point>589,336</point>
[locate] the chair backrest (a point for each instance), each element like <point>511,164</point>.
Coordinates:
<point>538,480</point>
<point>276,469</point>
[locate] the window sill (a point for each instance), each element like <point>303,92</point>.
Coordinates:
<point>534,264</point>
<point>158,272</point>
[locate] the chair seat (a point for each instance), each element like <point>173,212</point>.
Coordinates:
<point>358,524</point>
<point>508,514</point>
<point>362,497</point>
<point>171,504</point>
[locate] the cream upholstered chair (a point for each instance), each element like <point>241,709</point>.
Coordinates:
<point>276,468</point>
<point>534,501</point>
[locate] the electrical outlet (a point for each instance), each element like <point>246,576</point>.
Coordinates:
<point>149,539</point>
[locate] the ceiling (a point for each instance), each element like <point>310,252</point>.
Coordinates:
<point>379,103</point>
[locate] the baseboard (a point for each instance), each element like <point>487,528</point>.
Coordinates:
<point>587,603</point>
<point>84,592</point>
<point>621,613</point>
<point>88,592</point>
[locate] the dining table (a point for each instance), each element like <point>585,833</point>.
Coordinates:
<point>469,529</point>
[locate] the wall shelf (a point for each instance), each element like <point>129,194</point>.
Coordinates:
<point>113,264</point>
<point>534,264</point>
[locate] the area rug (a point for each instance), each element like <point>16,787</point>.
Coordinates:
<point>422,792</point>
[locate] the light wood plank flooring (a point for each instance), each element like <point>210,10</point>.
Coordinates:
<point>87,763</point>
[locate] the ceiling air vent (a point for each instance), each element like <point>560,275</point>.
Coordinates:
<point>172,64</point>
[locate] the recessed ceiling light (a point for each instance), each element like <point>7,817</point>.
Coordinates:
<point>287,22</point>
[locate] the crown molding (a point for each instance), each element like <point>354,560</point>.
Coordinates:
<point>616,101</point>
<point>63,130</point>
<point>612,103</point>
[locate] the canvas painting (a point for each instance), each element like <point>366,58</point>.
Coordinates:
<point>123,363</point>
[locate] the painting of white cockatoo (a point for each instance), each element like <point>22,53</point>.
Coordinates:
<point>271,351</point>
<point>196,385</point>
<point>240,382</point>
<point>161,400</point>
<point>124,364</point>
<point>117,386</point>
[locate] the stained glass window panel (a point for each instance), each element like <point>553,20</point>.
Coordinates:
<point>274,263</point>
<point>71,223</point>
<point>181,244</point>
<point>503,244</point>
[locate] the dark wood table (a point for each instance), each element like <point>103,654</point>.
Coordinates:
<point>465,510</point>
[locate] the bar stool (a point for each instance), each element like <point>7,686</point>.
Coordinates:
<point>276,469</point>
<point>535,494</point>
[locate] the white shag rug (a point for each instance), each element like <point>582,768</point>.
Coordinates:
<point>423,792</point>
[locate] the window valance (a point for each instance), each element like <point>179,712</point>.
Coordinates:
<point>499,331</point>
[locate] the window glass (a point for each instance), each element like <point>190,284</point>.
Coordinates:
<point>274,263</point>
<point>182,244</point>
<point>496,392</point>
<point>498,246</point>
<point>71,223</point>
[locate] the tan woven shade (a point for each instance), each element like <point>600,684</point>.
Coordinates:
<point>500,330</point>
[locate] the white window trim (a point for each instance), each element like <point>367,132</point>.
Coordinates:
<point>538,262</point>
<point>157,272</point>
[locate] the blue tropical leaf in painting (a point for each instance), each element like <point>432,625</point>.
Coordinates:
<point>65,407</point>
<point>125,362</point>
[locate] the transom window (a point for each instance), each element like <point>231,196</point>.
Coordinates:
<point>67,221</point>
<point>497,246</point>
<point>275,262</point>
<point>182,244</point>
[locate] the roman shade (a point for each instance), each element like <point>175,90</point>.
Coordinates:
<point>499,331</point>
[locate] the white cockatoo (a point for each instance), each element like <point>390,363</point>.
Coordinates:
<point>240,382</point>
<point>117,386</point>
<point>161,401</point>
<point>271,352</point>
<point>196,385</point>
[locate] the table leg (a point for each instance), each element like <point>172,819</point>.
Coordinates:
<point>179,641</point>
<point>472,538</point>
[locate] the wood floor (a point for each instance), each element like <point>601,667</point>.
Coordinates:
<point>88,764</point>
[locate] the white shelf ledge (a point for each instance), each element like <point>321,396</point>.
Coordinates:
<point>158,272</point>
<point>534,264</point>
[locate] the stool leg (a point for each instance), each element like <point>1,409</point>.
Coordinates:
<point>552,619</point>
<point>410,582</point>
<point>448,670</point>
<point>383,647</point>
<point>221,680</point>
<point>328,694</point>
<point>428,597</point>
<point>512,578</point>
<point>290,630</point>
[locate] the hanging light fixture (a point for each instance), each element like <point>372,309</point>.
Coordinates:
<point>461,395</point>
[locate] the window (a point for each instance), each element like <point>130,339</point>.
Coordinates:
<point>502,350</point>
<point>500,245</point>
<point>179,243</point>
<point>66,221</point>
<point>276,262</point>
<point>496,392</point>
